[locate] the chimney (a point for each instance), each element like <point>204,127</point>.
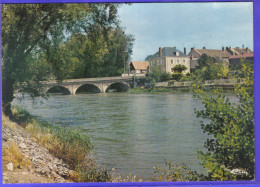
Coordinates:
<point>192,49</point>
<point>247,51</point>
<point>174,47</point>
<point>184,51</point>
<point>243,46</point>
<point>204,47</point>
<point>223,48</point>
<point>160,52</point>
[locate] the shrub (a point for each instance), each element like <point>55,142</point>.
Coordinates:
<point>13,154</point>
<point>177,76</point>
<point>180,68</point>
<point>165,77</point>
<point>231,126</point>
<point>174,172</point>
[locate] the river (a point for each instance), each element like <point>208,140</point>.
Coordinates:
<point>130,132</point>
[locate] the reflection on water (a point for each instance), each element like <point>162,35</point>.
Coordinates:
<point>131,132</point>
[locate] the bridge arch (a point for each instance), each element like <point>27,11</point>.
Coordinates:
<point>117,87</point>
<point>88,88</point>
<point>58,89</point>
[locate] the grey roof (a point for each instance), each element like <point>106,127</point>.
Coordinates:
<point>169,51</point>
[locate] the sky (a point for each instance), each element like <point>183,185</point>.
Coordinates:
<point>210,25</point>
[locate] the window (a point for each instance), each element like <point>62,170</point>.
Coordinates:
<point>183,60</point>
<point>171,61</point>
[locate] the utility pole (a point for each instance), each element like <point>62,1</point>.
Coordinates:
<point>125,51</point>
<point>124,60</point>
<point>128,64</point>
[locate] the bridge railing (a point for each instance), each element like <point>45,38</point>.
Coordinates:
<point>89,80</point>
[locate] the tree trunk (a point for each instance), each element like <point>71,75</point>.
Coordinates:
<point>7,94</point>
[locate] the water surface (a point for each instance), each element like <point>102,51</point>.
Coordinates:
<point>131,132</point>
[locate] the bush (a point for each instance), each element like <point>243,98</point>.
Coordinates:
<point>140,81</point>
<point>174,172</point>
<point>14,155</point>
<point>180,68</point>
<point>177,76</point>
<point>186,78</point>
<point>231,126</point>
<point>165,77</point>
<point>210,68</point>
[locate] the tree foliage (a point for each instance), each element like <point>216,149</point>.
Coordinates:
<point>101,57</point>
<point>174,172</point>
<point>230,145</point>
<point>210,68</point>
<point>148,57</point>
<point>157,73</point>
<point>179,68</point>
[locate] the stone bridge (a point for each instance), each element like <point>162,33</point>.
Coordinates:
<point>98,85</point>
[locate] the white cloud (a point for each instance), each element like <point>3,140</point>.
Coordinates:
<point>232,5</point>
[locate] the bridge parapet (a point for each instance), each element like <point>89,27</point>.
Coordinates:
<point>102,84</point>
<point>102,79</point>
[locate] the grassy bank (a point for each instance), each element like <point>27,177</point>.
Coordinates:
<point>72,146</point>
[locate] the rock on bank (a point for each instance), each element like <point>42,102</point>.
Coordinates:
<point>25,161</point>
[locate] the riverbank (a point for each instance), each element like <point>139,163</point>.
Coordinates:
<point>46,153</point>
<point>176,90</point>
<point>26,161</point>
<point>227,85</point>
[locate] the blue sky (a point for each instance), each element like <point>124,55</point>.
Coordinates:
<point>212,25</point>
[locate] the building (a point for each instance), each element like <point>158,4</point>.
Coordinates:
<point>238,51</point>
<point>139,67</point>
<point>222,54</point>
<point>167,58</point>
<point>236,59</point>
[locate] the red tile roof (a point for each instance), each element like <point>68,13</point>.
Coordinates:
<point>213,52</point>
<point>242,56</point>
<point>241,50</point>
<point>140,65</point>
